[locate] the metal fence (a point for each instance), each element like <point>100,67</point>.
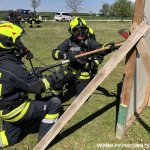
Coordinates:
<point>105,20</point>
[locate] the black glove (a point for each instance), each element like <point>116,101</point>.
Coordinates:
<point>69,56</point>
<point>112,46</point>
<point>56,79</point>
<point>29,56</point>
<point>52,80</point>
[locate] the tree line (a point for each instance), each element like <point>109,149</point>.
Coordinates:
<point>121,9</point>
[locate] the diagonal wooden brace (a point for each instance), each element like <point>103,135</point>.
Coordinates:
<point>91,87</point>
<point>143,50</point>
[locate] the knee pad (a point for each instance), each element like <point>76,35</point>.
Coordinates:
<point>53,105</point>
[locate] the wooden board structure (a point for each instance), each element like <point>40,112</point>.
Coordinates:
<point>136,85</point>
<point>91,87</point>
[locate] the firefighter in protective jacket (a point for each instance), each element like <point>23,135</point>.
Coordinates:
<point>81,41</point>
<point>16,110</point>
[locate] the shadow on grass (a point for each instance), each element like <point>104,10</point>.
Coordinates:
<point>92,116</point>
<point>34,129</point>
<point>105,92</point>
<point>146,127</point>
<point>81,123</point>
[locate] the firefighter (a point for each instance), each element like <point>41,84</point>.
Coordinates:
<point>31,20</point>
<point>16,82</point>
<point>37,21</point>
<point>14,17</point>
<point>79,70</point>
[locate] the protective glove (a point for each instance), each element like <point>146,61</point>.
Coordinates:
<point>29,56</point>
<point>52,80</point>
<point>112,46</point>
<point>69,56</point>
<point>56,79</point>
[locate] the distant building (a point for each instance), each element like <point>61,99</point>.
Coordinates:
<point>100,14</point>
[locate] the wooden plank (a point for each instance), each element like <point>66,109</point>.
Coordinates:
<point>91,87</point>
<point>149,101</point>
<point>133,117</point>
<point>128,76</point>
<point>140,109</point>
<point>139,9</point>
<point>98,50</point>
<point>144,52</point>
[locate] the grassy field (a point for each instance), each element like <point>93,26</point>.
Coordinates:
<point>95,122</point>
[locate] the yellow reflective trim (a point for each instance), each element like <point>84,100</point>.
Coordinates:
<point>104,45</point>
<point>74,72</point>
<point>0,85</point>
<point>0,89</point>
<point>23,112</point>
<point>86,65</point>
<point>52,116</point>
<point>56,54</point>
<point>46,83</point>
<point>4,139</point>
<point>1,113</point>
<point>65,72</point>
<point>57,92</point>
<point>84,75</point>
<point>15,111</point>
<point>97,62</point>
<point>84,78</point>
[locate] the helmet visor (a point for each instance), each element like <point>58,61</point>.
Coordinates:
<point>80,32</point>
<point>7,42</point>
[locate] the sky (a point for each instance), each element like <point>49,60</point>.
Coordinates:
<point>53,5</point>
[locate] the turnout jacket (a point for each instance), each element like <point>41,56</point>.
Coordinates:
<point>16,81</point>
<point>83,63</point>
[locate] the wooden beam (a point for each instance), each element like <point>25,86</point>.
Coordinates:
<point>131,57</point>
<point>144,52</point>
<point>133,117</point>
<point>140,109</point>
<point>91,87</point>
<point>139,9</point>
<point>128,75</point>
<point>149,101</point>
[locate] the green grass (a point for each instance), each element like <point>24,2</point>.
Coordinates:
<point>95,122</point>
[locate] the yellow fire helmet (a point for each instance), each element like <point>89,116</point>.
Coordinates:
<point>76,22</point>
<point>91,31</point>
<point>9,32</point>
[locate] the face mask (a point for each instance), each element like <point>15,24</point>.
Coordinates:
<point>80,33</point>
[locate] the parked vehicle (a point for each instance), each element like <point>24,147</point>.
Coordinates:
<point>63,16</point>
<point>25,14</point>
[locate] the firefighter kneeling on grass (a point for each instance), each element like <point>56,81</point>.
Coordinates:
<point>16,110</point>
<point>82,40</point>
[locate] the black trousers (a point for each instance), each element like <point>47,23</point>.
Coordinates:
<point>37,110</point>
<point>80,85</point>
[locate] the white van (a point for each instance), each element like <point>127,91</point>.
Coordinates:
<point>62,16</point>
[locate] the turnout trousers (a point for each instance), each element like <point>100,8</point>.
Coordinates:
<point>46,110</point>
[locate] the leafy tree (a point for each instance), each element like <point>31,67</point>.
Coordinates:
<point>105,9</point>
<point>35,4</point>
<point>122,8</point>
<point>74,5</point>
